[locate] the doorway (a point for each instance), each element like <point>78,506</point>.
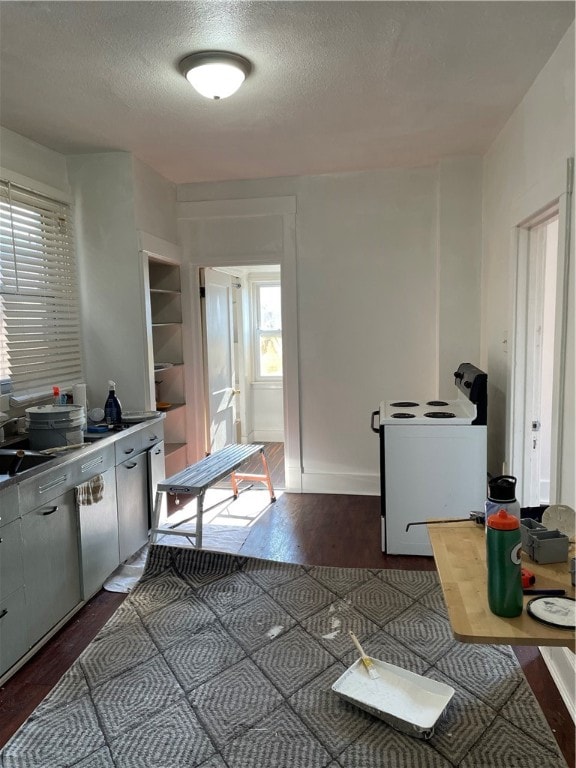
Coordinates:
<point>237,232</point>
<point>537,364</point>
<point>243,360</point>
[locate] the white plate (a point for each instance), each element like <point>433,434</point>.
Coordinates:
<point>162,366</point>
<point>136,416</point>
<point>554,611</point>
<point>407,701</point>
<point>561,517</point>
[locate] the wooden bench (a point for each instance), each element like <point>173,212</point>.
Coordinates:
<point>195,480</point>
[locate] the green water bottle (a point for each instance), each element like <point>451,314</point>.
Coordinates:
<point>505,596</point>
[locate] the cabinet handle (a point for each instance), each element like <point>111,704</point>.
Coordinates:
<point>127,451</point>
<point>91,464</point>
<point>130,466</point>
<point>153,437</point>
<point>52,484</point>
<point>49,511</point>
<point>158,451</point>
<point>3,613</point>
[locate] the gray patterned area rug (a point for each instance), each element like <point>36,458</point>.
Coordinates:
<point>220,661</point>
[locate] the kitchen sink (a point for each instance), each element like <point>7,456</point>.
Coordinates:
<point>16,442</point>
<point>9,459</point>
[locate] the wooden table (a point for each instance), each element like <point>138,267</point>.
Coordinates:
<point>460,554</point>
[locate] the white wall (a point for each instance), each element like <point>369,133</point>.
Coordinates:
<point>459,268</point>
<point>525,170</point>
<point>25,157</point>
<point>117,198</point>
<point>154,202</point>
<point>375,296</point>
<point>267,413</point>
<point>113,320</point>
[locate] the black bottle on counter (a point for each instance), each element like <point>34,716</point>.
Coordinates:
<point>112,407</point>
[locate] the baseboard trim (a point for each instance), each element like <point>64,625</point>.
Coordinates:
<point>267,436</point>
<point>561,663</point>
<point>346,484</point>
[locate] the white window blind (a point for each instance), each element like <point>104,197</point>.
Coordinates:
<point>39,319</point>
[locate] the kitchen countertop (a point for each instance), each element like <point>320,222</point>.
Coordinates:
<point>460,555</point>
<point>93,442</point>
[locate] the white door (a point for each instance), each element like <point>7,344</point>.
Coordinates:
<point>543,257</point>
<point>219,358</point>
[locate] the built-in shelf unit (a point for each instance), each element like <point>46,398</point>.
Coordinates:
<point>169,373</point>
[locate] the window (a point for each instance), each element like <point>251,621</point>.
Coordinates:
<point>268,331</point>
<point>39,323</point>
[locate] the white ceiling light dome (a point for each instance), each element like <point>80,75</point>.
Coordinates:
<point>215,74</point>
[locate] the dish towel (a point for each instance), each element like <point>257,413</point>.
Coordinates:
<point>90,492</point>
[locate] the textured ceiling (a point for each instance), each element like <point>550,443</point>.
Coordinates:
<point>336,86</point>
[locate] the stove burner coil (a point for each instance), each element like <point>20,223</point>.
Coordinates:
<point>403,415</point>
<point>436,402</point>
<point>406,404</point>
<point>440,415</point>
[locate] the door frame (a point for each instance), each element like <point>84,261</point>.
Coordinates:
<point>198,254</point>
<point>518,422</point>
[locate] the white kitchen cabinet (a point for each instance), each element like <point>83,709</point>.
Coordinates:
<point>98,529</point>
<point>13,627</point>
<point>9,504</point>
<point>11,575</point>
<point>56,553</point>
<point>132,500</point>
<point>156,473</point>
<point>139,467</point>
<point>51,563</point>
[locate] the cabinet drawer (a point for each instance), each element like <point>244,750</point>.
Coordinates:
<point>152,435</point>
<point>9,507</point>
<point>94,464</point>
<point>45,487</point>
<point>126,447</point>
<point>138,441</point>
<point>13,629</point>
<point>11,575</point>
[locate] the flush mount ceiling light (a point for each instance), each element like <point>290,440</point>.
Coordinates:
<point>215,74</point>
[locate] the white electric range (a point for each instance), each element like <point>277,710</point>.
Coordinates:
<point>432,461</point>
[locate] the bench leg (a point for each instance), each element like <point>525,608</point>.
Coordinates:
<point>157,509</point>
<point>234,482</point>
<point>199,513</point>
<point>265,478</point>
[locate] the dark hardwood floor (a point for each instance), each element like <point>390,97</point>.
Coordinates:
<point>274,453</point>
<point>318,529</point>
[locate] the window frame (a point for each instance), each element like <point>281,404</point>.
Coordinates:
<point>258,334</point>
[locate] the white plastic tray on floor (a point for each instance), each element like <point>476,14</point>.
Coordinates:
<point>408,702</point>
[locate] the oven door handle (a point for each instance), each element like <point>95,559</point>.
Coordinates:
<point>372,427</point>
